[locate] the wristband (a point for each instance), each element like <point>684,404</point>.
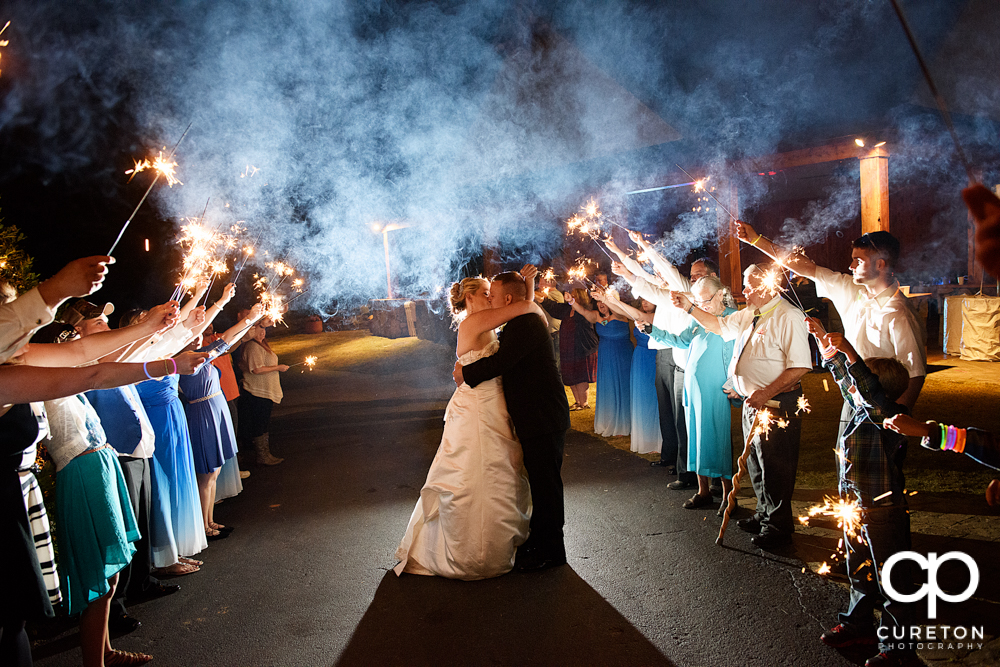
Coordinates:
<point>960,441</point>
<point>174,362</point>
<point>952,435</point>
<point>145,371</point>
<point>944,435</point>
<point>754,242</point>
<point>166,369</point>
<point>690,308</point>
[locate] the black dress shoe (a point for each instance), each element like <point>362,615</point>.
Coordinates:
<point>751,524</point>
<point>539,561</point>
<point>697,501</point>
<point>123,623</point>
<point>680,485</point>
<point>771,539</point>
<point>671,468</point>
<point>155,591</point>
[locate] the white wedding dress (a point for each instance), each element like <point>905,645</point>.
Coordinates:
<point>475,506</point>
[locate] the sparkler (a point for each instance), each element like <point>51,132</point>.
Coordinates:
<point>761,426</point>
<point>148,190</point>
<point>309,362</point>
<point>247,253</point>
<point>846,512</point>
<point>662,187</point>
<point>699,186</point>
<point>942,107</point>
<point>3,42</point>
<point>802,405</point>
<point>161,166</point>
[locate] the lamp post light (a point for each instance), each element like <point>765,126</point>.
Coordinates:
<point>385,229</point>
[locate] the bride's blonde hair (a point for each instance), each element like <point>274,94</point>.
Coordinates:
<point>462,289</point>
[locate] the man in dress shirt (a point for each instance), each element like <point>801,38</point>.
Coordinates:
<point>878,319</point>
<point>132,436</point>
<point>769,359</point>
<point>23,316</point>
<point>670,362</point>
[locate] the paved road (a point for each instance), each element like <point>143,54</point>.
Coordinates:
<point>305,579</point>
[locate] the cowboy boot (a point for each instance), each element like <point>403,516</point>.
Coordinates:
<point>264,456</point>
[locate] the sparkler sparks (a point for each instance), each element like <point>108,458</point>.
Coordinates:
<point>802,405</point>
<point>3,42</point>
<point>163,167</point>
<point>846,512</point>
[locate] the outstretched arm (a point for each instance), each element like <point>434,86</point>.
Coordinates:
<point>520,339</point>
<point>707,320</point>
<point>670,274</point>
<point>795,261</point>
<point>591,316</point>
<point>628,268</point>
<point>607,297</point>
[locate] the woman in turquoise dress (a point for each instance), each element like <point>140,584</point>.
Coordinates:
<point>706,406</point>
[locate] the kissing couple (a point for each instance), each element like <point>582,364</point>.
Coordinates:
<point>493,499</point>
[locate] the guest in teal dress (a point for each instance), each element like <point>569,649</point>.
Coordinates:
<point>706,405</point>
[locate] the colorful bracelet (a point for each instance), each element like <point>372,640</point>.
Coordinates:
<point>952,436</point>
<point>145,371</point>
<point>174,362</point>
<point>754,242</point>
<point>944,435</point>
<point>960,442</point>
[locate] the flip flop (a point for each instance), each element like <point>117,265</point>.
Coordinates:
<point>178,569</point>
<point>190,561</point>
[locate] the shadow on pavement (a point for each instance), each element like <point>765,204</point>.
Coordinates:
<point>545,618</point>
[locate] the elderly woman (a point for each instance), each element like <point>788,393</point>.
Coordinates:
<point>706,406</point>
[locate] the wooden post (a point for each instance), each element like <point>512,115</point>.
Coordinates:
<point>875,191</point>
<point>730,267</point>
<point>491,266</point>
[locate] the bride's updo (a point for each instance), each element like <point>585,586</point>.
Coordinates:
<point>462,289</point>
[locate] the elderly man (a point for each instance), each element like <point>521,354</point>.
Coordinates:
<point>769,359</point>
<point>669,361</point>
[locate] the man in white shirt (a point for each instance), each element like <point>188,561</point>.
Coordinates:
<point>770,357</point>
<point>670,362</point>
<point>878,319</point>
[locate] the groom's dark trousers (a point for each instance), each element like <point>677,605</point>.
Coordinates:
<point>536,401</point>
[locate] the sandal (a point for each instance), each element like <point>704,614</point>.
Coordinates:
<point>190,561</point>
<point>585,406</point>
<point>178,569</point>
<point>116,658</point>
<point>575,407</point>
<point>212,535</point>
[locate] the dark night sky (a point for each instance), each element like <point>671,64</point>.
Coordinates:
<point>356,114</point>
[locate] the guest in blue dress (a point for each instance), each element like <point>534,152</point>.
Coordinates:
<point>173,453</point>
<point>706,405</point>
<point>646,434</point>
<point>613,412</point>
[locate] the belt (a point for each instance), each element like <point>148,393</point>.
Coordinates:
<point>95,449</point>
<point>204,398</point>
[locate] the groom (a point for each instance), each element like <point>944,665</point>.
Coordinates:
<point>536,401</point>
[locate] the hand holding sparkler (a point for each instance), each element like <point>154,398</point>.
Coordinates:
<point>907,425</point>
<point>681,300</point>
<point>619,269</point>
<point>81,277</point>
<point>228,292</point>
<point>529,272</point>
<point>160,318</point>
<point>189,363</point>
<point>638,239</point>
<point>309,362</point>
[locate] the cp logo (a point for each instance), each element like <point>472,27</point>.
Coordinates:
<point>930,590</point>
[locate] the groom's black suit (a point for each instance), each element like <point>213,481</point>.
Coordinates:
<point>536,401</point>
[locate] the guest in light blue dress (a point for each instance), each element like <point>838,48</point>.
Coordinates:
<point>613,412</point>
<point>173,453</point>
<point>646,434</point>
<point>706,405</point>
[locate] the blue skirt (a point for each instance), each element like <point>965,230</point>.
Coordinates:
<point>613,412</point>
<point>213,440</point>
<point>646,434</point>
<point>96,526</point>
<point>229,484</point>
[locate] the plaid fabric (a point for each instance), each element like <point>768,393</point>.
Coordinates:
<point>869,458</point>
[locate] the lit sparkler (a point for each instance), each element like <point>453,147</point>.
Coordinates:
<point>802,405</point>
<point>309,362</point>
<point>3,42</point>
<point>846,512</point>
<point>148,190</point>
<point>162,167</point>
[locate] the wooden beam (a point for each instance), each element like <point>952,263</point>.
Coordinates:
<point>840,150</point>
<point>875,191</point>
<point>730,267</point>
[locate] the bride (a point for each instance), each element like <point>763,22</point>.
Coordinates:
<point>474,508</point>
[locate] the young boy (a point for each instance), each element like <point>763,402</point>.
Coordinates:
<point>869,461</point>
